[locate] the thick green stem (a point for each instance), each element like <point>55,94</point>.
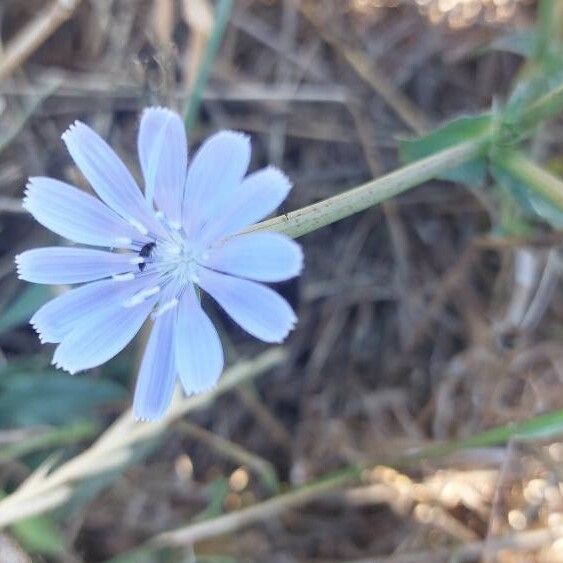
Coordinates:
<point>317,215</point>
<point>535,177</point>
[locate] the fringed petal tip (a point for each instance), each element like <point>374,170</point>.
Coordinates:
<point>158,110</point>
<point>43,333</point>
<point>281,337</point>
<point>282,177</point>
<point>18,261</point>
<point>37,328</point>
<point>198,390</point>
<point>147,418</point>
<point>64,367</point>
<point>76,124</point>
<point>29,191</point>
<point>143,419</point>
<point>234,135</point>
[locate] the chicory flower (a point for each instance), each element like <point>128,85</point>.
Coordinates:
<point>184,235</point>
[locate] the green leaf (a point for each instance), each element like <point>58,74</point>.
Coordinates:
<point>142,555</point>
<point>522,43</point>
<point>542,427</point>
<point>219,490</point>
<point>21,310</point>
<point>454,132</point>
<point>48,439</point>
<point>531,204</point>
<point>52,397</point>
<point>222,15</point>
<point>537,85</point>
<point>40,535</point>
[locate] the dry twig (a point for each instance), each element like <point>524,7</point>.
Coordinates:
<point>46,489</point>
<point>34,34</point>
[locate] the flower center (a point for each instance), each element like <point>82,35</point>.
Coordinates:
<point>178,258</point>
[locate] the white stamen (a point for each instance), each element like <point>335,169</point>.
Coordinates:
<point>138,298</point>
<point>159,215</point>
<point>123,241</point>
<point>166,307</point>
<point>139,226</point>
<point>137,260</point>
<point>175,225</point>
<point>123,277</point>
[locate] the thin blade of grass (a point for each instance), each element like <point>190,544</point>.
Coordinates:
<point>222,13</point>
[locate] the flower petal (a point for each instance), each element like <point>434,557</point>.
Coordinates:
<point>58,317</point>
<point>157,376</point>
<point>264,256</point>
<point>255,307</point>
<point>216,170</point>
<point>54,265</point>
<point>77,216</point>
<point>256,197</point>
<point>109,177</point>
<point>199,353</point>
<point>100,337</point>
<point>163,153</point>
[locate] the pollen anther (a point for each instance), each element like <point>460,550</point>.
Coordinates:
<point>138,298</point>
<point>123,277</point>
<point>139,226</point>
<point>165,307</point>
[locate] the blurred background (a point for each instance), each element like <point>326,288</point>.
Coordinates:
<point>423,323</point>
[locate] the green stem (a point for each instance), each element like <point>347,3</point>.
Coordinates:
<point>535,177</point>
<point>228,523</point>
<point>222,14</point>
<point>52,438</point>
<point>543,108</point>
<point>317,215</point>
<point>549,425</point>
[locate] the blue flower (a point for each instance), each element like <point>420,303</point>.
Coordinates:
<point>181,237</point>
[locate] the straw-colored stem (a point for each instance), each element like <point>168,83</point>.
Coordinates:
<point>317,215</point>
<point>45,489</point>
<point>236,520</point>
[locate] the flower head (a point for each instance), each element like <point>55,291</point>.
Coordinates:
<point>182,236</point>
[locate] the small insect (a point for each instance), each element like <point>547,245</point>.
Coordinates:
<point>145,252</point>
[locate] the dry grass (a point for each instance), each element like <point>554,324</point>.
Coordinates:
<point>414,326</point>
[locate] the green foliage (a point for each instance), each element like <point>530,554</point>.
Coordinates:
<point>541,427</point>
<point>453,132</point>
<point>522,43</point>
<point>51,397</point>
<point>21,310</point>
<point>222,14</point>
<point>530,89</point>
<point>40,535</point>
<point>219,489</point>
<point>548,45</point>
<point>142,555</point>
<point>47,439</point>
<point>532,205</point>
